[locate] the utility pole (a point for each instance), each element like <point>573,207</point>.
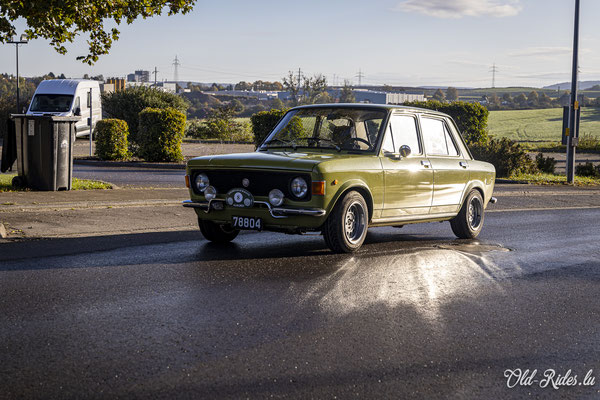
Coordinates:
<point>299,77</point>
<point>176,65</point>
<point>23,40</point>
<point>493,70</point>
<point>572,133</point>
<point>155,72</point>
<point>360,75</point>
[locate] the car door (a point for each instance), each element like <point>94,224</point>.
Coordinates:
<point>408,180</point>
<point>450,168</point>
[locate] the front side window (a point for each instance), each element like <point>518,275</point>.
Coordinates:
<point>51,103</point>
<point>328,128</point>
<point>436,137</point>
<point>404,131</point>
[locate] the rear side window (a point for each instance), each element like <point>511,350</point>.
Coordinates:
<point>437,138</point>
<point>404,132</point>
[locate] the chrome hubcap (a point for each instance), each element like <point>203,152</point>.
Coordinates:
<point>354,222</point>
<point>475,213</point>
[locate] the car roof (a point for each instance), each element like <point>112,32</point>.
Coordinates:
<point>386,107</point>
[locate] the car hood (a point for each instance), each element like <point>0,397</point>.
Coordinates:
<point>296,160</point>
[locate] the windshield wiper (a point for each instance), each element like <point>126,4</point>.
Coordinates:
<point>284,142</point>
<point>319,139</point>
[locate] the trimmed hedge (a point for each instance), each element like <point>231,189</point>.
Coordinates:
<point>127,105</point>
<point>471,118</point>
<point>508,157</point>
<point>263,123</point>
<point>111,139</point>
<point>160,134</point>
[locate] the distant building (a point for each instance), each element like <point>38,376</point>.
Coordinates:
<point>259,94</point>
<point>139,76</point>
<point>169,87</point>
<point>377,97</point>
<point>113,85</point>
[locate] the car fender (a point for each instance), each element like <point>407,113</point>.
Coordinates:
<point>348,185</point>
<point>476,184</point>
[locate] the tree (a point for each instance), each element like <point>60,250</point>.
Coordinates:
<point>521,100</point>
<point>533,98</point>
<point>439,95</point>
<point>507,98</point>
<point>545,100</point>
<point>452,94</point>
<point>291,84</point>
<point>347,95</point>
<point>60,22</point>
<point>314,88</point>
<point>494,100</point>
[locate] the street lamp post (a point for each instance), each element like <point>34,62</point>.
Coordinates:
<point>573,137</point>
<point>23,40</point>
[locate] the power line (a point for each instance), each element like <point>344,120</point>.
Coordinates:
<point>493,70</point>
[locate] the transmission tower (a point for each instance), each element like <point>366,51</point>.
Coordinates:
<point>176,65</point>
<point>493,70</point>
<point>359,75</point>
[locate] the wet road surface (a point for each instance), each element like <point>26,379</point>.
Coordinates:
<point>414,314</point>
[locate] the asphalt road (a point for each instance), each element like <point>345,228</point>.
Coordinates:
<point>415,314</point>
<point>131,176</point>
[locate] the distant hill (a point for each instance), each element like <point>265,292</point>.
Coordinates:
<point>585,85</point>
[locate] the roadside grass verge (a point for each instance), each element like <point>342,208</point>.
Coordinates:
<point>76,184</point>
<point>551,179</point>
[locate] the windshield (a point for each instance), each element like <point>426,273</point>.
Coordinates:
<point>328,128</point>
<point>51,103</point>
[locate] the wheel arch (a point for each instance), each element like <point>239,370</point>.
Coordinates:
<point>358,186</point>
<point>475,185</point>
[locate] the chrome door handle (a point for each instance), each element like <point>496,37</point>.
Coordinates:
<point>425,163</point>
<point>463,164</point>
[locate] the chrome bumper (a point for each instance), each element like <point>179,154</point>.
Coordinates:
<point>276,212</point>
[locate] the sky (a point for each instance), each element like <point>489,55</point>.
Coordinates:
<point>395,42</point>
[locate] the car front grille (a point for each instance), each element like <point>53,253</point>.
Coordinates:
<point>261,182</point>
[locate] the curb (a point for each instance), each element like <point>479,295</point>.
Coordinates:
<point>134,164</point>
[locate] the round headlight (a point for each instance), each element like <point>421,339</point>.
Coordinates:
<point>276,197</point>
<point>299,187</point>
<point>210,193</point>
<point>201,182</point>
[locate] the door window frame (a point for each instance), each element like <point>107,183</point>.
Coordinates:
<point>448,130</point>
<point>388,130</point>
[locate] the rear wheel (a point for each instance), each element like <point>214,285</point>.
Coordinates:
<point>469,221</point>
<point>346,228</point>
<point>218,233</point>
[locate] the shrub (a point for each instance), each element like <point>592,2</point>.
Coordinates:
<point>508,157</point>
<point>111,139</point>
<point>587,169</point>
<point>588,142</point>
<point>263,123</point>
<point>221,125</point>
<point>160,134</point>
<point>545,164</point>
<point>471,118</point>
<point>127,105</point>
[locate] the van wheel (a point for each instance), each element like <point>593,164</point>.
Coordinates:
<point>218,233</point>
<point>469,221</point>
<point>346,228</point>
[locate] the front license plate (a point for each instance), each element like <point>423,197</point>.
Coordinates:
<point>247,223</point>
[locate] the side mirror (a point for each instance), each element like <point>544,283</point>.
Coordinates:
<point>405,151</point>
<point>77,112</point>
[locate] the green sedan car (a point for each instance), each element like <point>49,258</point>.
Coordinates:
<point>339,169</point>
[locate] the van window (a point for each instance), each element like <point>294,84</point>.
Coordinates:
<point>51,103</point>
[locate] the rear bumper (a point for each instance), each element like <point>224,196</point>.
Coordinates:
<point>275,212</point>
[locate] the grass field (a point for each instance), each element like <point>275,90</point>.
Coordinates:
<point>543,125</point>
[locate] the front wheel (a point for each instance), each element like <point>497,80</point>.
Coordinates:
<point>346,228</point>
<point>469,221</point>
<point>217,233</point>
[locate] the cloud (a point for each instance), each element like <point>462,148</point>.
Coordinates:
<point>541,52</point>
<point>461,8</point>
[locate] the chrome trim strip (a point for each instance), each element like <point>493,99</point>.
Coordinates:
<point>312,212</point>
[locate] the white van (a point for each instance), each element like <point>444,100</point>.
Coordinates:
<point>67,98</point>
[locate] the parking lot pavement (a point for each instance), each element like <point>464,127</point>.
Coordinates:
<point>38,215</point>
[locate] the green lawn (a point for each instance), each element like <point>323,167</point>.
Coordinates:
<point>543,125</point>
<point>76,184</point>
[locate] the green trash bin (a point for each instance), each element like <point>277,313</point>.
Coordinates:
<point>44,151</point>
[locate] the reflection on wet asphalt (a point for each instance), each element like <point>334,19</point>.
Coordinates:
<point>414,313</point>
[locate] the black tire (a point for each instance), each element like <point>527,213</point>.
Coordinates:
<point>469,221</point>
<point>18,182</point>
<point>346,227</point>
<point>217,233</point>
